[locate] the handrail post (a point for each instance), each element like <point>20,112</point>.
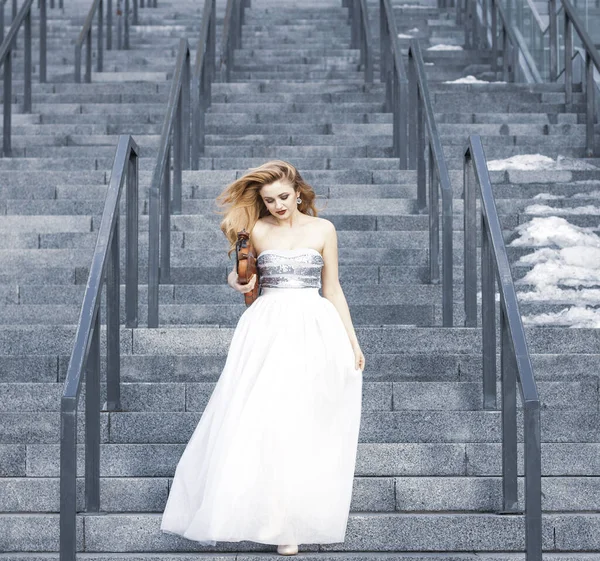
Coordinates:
<point>185,98</point>
<point>119,15</point>
<point>421,170</point>
<point>88,56</point>
<point>494,38</point>
<point>165,223</point>
<point>92,419</point>
<point>113,346</point>
<point>126,25</point>
<point>177,155</point>
<point>68,480</point>
<point>553,23</point>
<point>590,96</point>
<point>509,418</point>
<point>533,480</point>
<point>434,221</point>
<point>413,102</point>
<point>43,40</point>
<point>470,244</point>
<point>568,61</point>
<point>7,100</point>
<point>132,241</point>
<point>99,62</point>
<point>27,63</point>
<point>196,101</point>
<point>402,108</point>
<point>153,251</point>
<point>109,24</point>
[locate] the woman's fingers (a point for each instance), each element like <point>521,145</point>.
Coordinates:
<point>249,286</point>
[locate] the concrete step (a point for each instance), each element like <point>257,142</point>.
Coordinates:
<point>209,340</point>
<point>377,396</point>
<point>370,494</point>
<point>424,366</point>
<point>453,532</point>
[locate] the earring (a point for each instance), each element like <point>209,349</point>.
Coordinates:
<point>298,200</point>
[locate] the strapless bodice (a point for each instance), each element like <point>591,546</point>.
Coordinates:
<point>290,268</point>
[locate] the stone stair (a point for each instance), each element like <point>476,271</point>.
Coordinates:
<point>427,482</point>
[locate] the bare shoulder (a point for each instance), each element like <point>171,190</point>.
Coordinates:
<point>327,228</point>
<point>327,225</point>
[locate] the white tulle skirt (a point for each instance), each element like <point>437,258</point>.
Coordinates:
<point>272,459</point>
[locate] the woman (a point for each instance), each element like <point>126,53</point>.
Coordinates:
<point>272,458</point>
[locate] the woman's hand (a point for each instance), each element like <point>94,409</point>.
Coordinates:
<point>359,357</point>
<point>243,288</point>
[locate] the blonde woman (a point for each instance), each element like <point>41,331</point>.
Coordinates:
<point>272,459</point>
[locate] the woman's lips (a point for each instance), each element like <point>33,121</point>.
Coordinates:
<point>281,212</point>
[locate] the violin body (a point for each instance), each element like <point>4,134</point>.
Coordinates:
<point>246,264</point>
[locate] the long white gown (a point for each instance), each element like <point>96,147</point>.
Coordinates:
<point>272,458</point>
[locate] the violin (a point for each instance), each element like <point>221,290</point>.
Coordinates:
<point>246,265</point>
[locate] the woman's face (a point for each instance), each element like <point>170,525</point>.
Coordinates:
<point>280,199</point>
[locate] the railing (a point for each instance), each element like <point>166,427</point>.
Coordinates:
<point>422,131</point>
<point>23,17</point>
<point>232,35</point>
<point>361,34</point>
<point>13,16</point>
<point>486,25</point>
<point>572,22</point>
<point>393,73</point>
<point>86,350</point>
<point>176,135</point>
<point>203,76</point>
<point>85,35</point>
<point>515,359</point>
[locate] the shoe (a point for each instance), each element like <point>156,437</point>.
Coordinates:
<point>287,549</point>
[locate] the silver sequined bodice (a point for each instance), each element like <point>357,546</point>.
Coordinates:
<point>290,268</point>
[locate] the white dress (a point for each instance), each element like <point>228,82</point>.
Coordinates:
<point>272,458</point>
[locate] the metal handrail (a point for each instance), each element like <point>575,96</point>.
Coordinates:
<point>423,130</point>
<point>592,59</point>
<point>203,75</point>
<point>23,17</point>
<point>85,35</point>
<point>393,73</point>
<point>175,134</point>
<point>361,34</point>
<point>476,35</point>
<point>232,34</point>
<point>86,349</point>
<point>515,358</point>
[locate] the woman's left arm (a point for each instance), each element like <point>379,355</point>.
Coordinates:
<point>332,290</point>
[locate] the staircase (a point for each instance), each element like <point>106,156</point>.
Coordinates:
<point>427,482</point>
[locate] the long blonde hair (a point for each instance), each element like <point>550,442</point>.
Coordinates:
<point>243,205</point>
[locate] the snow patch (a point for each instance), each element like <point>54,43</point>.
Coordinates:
<point>565,269</point>
<point>548,196</point>
<point>576,316</point>
<point>531,162</point>
<point>470,79</point>
<point>443,47</point>
<point>404,36</point>
<point>545,209</point>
